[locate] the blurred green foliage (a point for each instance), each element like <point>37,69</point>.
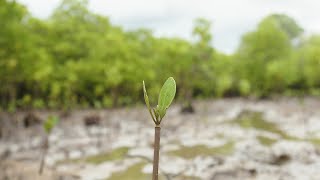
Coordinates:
<point>50,123</point>
<point>76,58</point>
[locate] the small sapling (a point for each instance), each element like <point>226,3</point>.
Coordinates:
<point>166,97</point>
<point>48,125</point>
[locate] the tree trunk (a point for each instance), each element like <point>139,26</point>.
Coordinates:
<point>115,96</point>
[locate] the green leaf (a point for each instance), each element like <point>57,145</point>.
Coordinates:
<point>166,96</point>
<point>50,123</point>
<point>161,112</point>
<point>146,99</point>
<point>156,114</point>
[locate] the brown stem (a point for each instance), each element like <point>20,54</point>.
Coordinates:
<point>156,152</point>
<point>44,153</point>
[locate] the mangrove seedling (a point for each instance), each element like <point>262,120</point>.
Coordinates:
<point>48,125</point>
<point>166,97</point>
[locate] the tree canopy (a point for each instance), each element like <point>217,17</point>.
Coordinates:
<point>77,58</point>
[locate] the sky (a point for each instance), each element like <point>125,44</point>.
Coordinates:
<point>174,18</point>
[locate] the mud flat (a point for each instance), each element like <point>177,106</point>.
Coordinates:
<point>225,139</point>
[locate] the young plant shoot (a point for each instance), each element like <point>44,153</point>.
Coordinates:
<point>48,125</point>
<point>166,97</point>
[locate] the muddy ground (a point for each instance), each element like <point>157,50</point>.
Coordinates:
<point>225,139</point>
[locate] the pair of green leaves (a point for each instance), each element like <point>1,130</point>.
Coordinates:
<point>50,123</point>
<point>166,97</point>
